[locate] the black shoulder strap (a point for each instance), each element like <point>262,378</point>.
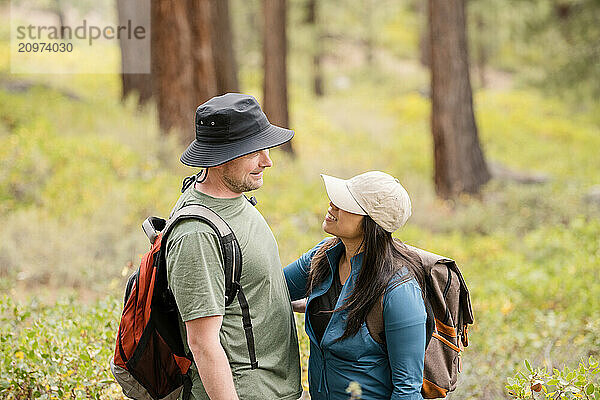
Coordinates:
<point>230,249</point>
<point>232,260</point>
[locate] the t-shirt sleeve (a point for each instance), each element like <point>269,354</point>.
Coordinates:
<point>196,276</point>
<point>404,317</point>
<point>296,273</point>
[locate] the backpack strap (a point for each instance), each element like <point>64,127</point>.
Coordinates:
<point>230,248</point>
<point>232,260</point>
<point>247,325</point>
<point>376,324</point>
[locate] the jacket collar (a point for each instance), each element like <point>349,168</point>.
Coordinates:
<point>334,254</point>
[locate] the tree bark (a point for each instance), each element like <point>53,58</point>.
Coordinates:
<point>204,72</point>
<point>192,59</point>
<point>133,56</point>
<point>222,42</point>
<point>459,162</point>
<point>172,67</point>
<point>275,97</point>
<point>311,19</point>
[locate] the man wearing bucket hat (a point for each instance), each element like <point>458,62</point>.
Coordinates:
<point>346,277</point>
<point>233,138</point>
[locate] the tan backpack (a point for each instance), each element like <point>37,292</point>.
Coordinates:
<point>449,313</point>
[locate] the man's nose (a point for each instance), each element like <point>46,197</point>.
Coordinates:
<point>333,206</point>
<point>265,160</point>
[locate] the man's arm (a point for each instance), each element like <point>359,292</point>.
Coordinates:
<point>210,358</point>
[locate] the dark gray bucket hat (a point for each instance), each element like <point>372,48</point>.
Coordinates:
<point>231,126</point>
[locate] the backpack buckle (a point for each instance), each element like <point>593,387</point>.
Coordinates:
<point>152,227</point>
<point>149,230</point>
<point>465,336</point>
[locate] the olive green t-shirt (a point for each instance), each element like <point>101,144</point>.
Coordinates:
<point>196,277</point>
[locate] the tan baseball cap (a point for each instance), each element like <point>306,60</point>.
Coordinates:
<point>374,193</point>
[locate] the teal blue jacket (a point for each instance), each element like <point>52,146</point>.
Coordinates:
<point>390,371</point>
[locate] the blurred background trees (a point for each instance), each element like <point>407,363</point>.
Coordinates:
<point>203,59</point>
<point>200,47</point>
<point>196,54</point>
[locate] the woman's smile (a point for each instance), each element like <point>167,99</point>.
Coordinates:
<point>329,217</point>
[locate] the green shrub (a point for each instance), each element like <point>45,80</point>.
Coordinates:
<point>59,351</point>
<point>582,382</point>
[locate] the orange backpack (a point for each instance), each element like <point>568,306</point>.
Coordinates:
<point>150,361</point>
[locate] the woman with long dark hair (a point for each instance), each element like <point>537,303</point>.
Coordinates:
<point>353,279</point>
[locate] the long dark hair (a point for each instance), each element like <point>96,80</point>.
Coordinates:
<point>382,261</point>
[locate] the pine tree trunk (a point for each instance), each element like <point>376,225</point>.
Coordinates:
<point>204,71</point>
<point>134,56</point>
<point>223,52</point>
<point>275,98</point>
<point>459,163</point>
<point>311,19</point>
<point>172,67</point>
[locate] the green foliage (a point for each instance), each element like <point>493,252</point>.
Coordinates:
<point>582,382</point>
<point>534,297</point>
<point>550,43</point>
<point>77,175</point>
<point>59,351</point>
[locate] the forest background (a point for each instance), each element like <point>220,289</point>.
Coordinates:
<point>81,168</point>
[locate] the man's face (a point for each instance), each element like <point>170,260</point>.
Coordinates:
<point>245,173</point>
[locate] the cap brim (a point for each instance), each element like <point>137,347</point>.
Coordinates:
<point>205,155</point>
<point>340,196</point>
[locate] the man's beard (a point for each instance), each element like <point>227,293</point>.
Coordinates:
<point>239,186</point>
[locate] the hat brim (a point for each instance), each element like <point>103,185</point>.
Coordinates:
<point>340,196</point>
<point>205,155</point>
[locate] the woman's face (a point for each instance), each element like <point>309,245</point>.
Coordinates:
<point>342,224</point>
